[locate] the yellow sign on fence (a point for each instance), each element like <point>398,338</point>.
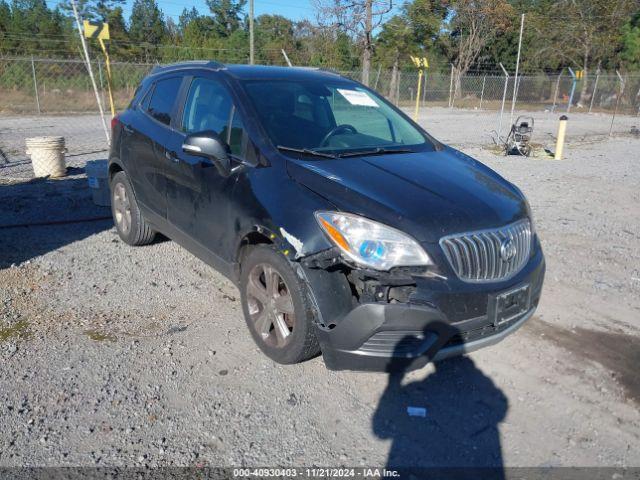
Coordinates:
<point>420,62</point>
<point>100,32</point>
<point>97,30</point>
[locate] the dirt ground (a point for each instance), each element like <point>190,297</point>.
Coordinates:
<point>112,355</point>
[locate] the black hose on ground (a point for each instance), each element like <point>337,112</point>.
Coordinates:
<point>56,222</point>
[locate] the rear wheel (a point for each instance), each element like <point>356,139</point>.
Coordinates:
<point>130,223</point>
<point>275,305</point>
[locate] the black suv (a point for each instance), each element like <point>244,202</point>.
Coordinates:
<point>347,228</point>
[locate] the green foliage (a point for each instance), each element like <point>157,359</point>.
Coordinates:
<point>630,45</point>
<point>469,33</point>
<point>226,15</point>
<point>147,23</point>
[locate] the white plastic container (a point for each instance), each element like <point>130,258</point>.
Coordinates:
<point>98,178</point>
<point>47,156</point>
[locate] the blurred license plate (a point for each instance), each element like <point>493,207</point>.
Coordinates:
<point>506,306</point>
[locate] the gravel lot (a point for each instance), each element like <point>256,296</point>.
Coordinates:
<point>112,355</point>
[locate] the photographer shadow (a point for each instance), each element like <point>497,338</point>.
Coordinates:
<point>460,428</point>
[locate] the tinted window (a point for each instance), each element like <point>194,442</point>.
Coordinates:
<point>236,135</point>
<point>327,116</point>
<point>162,99</point>
<point>208,107</point>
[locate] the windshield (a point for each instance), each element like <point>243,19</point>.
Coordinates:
<point>320,116</point>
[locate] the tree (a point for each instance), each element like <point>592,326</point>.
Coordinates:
<point>356,17</point>
<point>30,26</point>
<point>395,40</point>
<point>630,45</point>
<point>273,33</point>
<point>227,15</point>
<point>95,10</point>
<point>146,26</point>
<point>119,44</point>
<point>472,25</point>
<point>592,31</point>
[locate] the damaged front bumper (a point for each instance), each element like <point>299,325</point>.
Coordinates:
<point>443,317</point>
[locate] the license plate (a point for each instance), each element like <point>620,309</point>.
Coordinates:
<point>506,306</point>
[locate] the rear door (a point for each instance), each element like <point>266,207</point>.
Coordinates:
<point>147,134</point>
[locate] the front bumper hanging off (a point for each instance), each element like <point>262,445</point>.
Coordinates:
<point>407,336</point>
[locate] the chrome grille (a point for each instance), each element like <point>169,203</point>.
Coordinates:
<point>489,255</point>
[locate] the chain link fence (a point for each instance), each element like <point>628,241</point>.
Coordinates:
<point>476,109</point>
<point>55,97</point>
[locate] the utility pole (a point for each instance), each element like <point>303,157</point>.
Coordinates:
<point>515,83</point>
<point>88,60</point>
<point>366,54</point>
<point>251,53</point>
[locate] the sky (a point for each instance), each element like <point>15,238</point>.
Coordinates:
<point>292,9</point>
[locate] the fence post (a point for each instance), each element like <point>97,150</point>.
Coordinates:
<point>515,84</point>
<point>375,85</point>
<point>573,89</point>
<point>398,88</point>
<point>451,88</point>
<point>504,97</point>
<point>35,84</point>
<point>424,88</point>
<point>595,89</point>
<point>621,90</point>
<point>484,81</point>
<point>555,95</point>
<point>101,81</point>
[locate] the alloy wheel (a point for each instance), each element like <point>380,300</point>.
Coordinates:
<point>270,305</point>
<point>122,208</point>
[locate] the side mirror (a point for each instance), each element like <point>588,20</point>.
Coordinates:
<point>209,145</point>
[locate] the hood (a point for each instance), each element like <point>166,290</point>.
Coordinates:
<point>425,194</point>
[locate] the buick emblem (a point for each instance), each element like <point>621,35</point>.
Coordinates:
<point>507,249</point>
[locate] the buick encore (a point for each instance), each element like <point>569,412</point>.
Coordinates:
<point>349,230</point>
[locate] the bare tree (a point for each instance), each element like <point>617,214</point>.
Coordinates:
<point>473,24</point>
<point>358,18</point>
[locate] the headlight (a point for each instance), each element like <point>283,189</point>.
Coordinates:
<point>370,243</point>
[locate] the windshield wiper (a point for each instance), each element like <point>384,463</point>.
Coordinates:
<point>306,151</point>
<point>376,151</point>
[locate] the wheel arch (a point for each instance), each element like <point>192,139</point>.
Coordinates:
<point>115,166</point>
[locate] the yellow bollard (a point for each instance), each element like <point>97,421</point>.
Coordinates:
<point>562,130</point>
<point>415,114</point>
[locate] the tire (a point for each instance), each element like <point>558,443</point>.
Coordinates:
<point>132,228</point>
<point>266,323</point>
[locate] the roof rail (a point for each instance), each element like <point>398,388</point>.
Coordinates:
<point>187,64</point>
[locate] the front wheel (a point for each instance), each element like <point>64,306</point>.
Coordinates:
<point>276,306</point>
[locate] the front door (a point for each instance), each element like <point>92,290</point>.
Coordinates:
<point>198,196</point>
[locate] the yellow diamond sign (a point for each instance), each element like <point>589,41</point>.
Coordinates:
<point>98,30</point>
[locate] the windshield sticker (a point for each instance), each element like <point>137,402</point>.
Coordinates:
<point>355,97</point>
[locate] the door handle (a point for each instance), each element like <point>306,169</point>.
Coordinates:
<point>127,128</point>
<point>171,156</point>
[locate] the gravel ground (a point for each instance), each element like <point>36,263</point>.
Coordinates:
<point>113,355</point>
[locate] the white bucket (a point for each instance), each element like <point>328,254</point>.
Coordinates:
<point>47,156</point>
<point>98,178</point>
